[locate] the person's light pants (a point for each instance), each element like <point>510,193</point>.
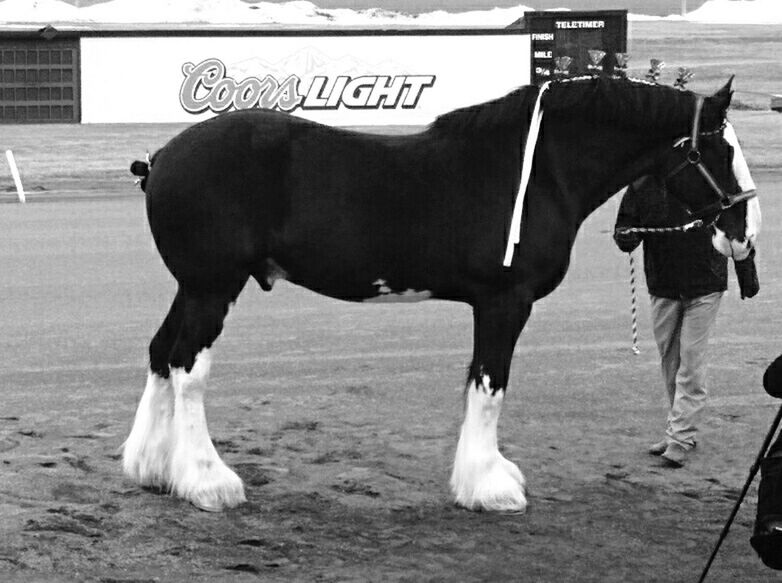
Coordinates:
<point>682,329</point>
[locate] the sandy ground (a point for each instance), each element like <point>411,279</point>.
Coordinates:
<point>342,419</point>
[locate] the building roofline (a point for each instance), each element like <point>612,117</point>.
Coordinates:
<point>71,31</point>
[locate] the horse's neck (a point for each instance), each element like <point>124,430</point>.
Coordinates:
<point>589,165</point>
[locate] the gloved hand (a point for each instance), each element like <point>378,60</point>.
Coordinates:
<point>747,276</point>
<point>627,242</point>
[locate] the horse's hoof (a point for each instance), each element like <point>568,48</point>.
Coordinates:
<point>495,486</point>
<point>206,507</point>
<point>213,490</point>
<point>217,500</point>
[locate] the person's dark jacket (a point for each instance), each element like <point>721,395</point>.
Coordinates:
<point>679,264</point>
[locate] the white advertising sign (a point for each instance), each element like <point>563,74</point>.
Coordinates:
<point>375,79</point>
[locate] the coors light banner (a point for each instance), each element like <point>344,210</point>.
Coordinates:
<point>207,88</point>
<point>344,79</point>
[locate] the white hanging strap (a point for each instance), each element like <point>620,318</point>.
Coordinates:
<point>526,170</point>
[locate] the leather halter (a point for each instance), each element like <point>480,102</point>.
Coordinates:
<point>693,158</point>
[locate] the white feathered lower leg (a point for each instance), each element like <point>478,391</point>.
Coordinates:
<point>197,472</point>
<point>482,478</point>
<point>147,450</point>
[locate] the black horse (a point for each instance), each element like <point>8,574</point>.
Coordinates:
<point>364,217</point>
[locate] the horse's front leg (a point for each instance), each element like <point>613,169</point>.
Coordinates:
<point>482,478</point>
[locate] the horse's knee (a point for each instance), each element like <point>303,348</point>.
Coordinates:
<point>162,343</point>
<point>203,317</point>
<point>202,324</point>
<point>159,351</point>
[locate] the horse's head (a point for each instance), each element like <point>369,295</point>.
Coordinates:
<point>707,172</point>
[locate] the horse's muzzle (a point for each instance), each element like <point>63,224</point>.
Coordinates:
<point>733,248</point>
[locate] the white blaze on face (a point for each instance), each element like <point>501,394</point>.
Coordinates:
<point>274,272</point>
<point>754,220</point>
<point>482,478</point>
<point>730,248</point>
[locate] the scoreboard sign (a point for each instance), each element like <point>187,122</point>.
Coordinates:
<point>569,44</point>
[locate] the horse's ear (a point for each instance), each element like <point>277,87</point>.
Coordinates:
<point>723,96</point>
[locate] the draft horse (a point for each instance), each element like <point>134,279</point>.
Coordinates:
<point>364,217</point>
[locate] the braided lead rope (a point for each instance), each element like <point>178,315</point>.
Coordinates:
<point>633,305</point>
<point>696,224</point>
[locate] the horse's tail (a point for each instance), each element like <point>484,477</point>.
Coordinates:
<point>141,169</point>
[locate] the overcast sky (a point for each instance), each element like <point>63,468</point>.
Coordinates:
<point>654,7</point>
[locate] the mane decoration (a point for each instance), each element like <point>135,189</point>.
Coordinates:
<point>627,102</point>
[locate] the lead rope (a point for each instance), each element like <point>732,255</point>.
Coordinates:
<point>696,224</point>
<point>633,309</point>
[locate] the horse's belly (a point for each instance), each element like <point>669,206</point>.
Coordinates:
<point>386,295</point>
<point>354,288</point>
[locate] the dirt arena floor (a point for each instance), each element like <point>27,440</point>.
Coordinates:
<point>342,419</point>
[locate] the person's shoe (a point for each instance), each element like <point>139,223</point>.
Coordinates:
<point>767,542</point>
<point>659,447</point>
<point>675,455</point>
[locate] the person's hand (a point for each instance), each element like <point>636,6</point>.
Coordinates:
<point>627,241</point>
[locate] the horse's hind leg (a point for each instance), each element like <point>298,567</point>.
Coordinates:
<point>482,477</point>
<point>146,452</point>
<point>197,472</point>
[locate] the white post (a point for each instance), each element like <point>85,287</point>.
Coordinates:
<point>684,7</point>
<point>15,173</point>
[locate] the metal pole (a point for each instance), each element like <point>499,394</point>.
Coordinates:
<point>15,175</point>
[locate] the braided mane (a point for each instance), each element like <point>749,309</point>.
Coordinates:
<point>629,103</point>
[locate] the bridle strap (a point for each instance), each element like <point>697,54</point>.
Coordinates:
<point>711,182</point>
<point>720,205</point>
<point>696,124</point>
<point>693,158</point>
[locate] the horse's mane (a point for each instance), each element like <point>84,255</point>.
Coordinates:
<point>629,103</point>
<point>508,111</point>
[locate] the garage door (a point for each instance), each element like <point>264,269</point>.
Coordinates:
<point>39,81</point>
